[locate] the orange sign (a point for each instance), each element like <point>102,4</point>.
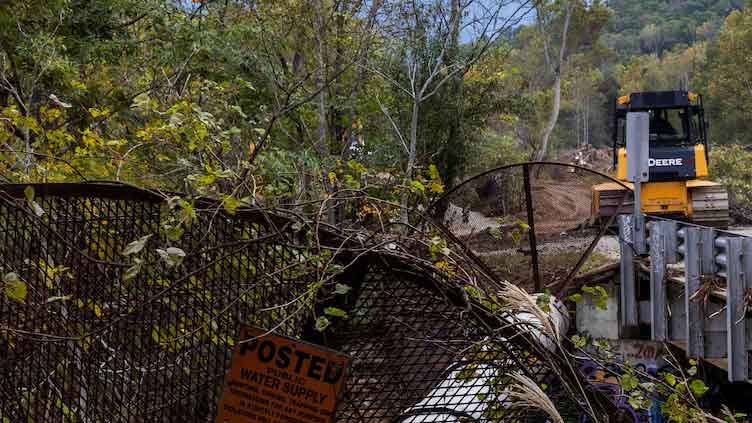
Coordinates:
<point>279,379</point>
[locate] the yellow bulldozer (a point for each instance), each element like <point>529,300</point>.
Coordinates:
<point>678,162</point>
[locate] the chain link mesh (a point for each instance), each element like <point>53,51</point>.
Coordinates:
<point>546,225</point>
<point>89,344</point>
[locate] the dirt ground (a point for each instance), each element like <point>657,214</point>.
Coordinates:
<point>562,202</point>
<point>561,206</point>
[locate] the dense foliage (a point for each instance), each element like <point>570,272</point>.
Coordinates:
<point>656,26</point>
<point>197,96</point>
<point>291,102</point>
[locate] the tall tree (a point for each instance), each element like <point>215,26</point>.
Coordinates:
<point>545,15</point>
<point>421,60</point>
<point>729,79</point>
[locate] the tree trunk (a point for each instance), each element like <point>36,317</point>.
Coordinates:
<point>404,217</point>
<point>349,136</point>
<point>322,145</point>
<point>323,127</point>
<point>453,152</point>
<point>554,117</point>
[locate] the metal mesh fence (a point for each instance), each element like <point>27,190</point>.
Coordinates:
<point>93,339</point>
<point>535,225</point>
<point>90,344</point>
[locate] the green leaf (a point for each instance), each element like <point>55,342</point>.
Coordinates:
<point>602,344</point>
<point>136,246</point>
<point>187,213</point>
<point>141,102</point>
<point>670,379</point>
<point>334,311</point>
<point>629,382</point>
<point>599,296</point>
<point>575,298</point>
<point>433,171</point>
<point>515,236</point>
<point>322,323</point>
<point>35,207</point>
<point>132,271</point>
<point>638,401</point>
<point>172,202</point>
<point>239,111</point>
<point>356,167</point>
<point>436,187</point>
<point>579,341</point>
<point>172,256</point>
<point>647,386</point>
<point>351,183</point>
<point>698,387</point>
<point>29,193</point>
<point>58,298</point>
<point>544,302</point>
<point>155,334</point>
<point>230,204</point>
<point>15,288</point>
<point>341,289</point>
<point>173,232</point>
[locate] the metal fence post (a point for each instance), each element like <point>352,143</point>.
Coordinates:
<point>731,261</point>
<point>658,318</point>
<point>695,317</point>
<point>670,234</point>
<point>735,311</point>
<point>638,171</point>
<point>707,251</point>
<point>747,269</point>
<point>628,291</point>
<point>531,225</point>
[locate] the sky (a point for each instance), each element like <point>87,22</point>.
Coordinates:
<point>478,8</point>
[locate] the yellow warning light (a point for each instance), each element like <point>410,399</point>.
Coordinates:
<point>623,99</point>
<point>692,96</point>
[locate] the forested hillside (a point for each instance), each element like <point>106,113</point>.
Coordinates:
<point>633,46</point>
<point>656,26</point>
<point>697,45</point>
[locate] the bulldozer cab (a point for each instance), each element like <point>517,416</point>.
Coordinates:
<point>677,125</point>
<point>677,161</point>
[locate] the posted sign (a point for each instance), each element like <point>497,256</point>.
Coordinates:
<point>279,379</point>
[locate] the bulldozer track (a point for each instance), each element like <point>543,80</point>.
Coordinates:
<point>710,206</point>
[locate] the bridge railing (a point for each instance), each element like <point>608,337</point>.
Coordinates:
<point>700,289</point>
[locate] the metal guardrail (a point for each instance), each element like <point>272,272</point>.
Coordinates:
<point>704,252</point>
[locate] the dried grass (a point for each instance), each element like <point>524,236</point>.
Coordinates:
<point>517,299</point>
<point>527,394</point>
